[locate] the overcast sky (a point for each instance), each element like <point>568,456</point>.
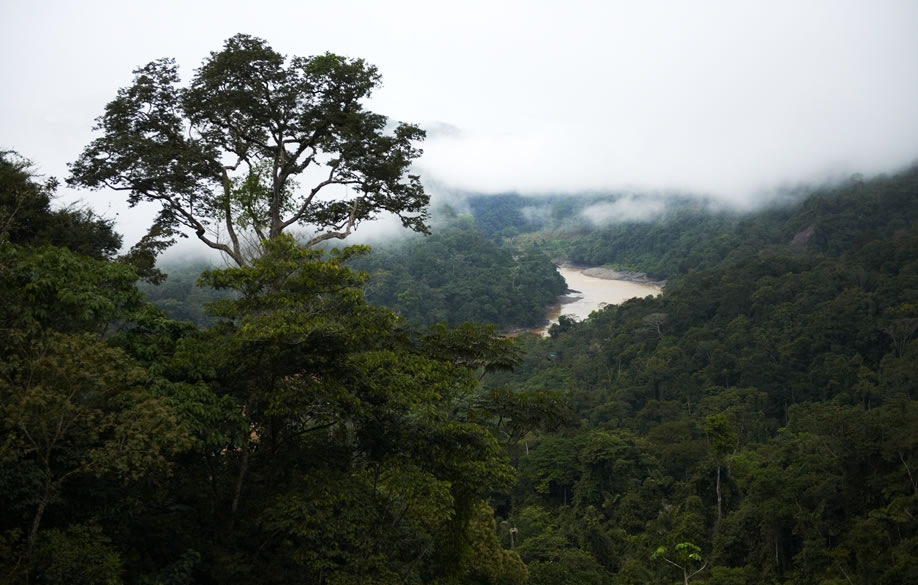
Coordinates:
<point>727,99</point>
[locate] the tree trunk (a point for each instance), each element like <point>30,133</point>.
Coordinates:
<point>36,522</point>
<point>243,468</point>
<point>718,495</point>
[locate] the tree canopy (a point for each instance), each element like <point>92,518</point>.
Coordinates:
<point>458,275</point>
<point>765,433</point>
<point>252,147</point>
<point>305,437</point>
<point>26,216</point>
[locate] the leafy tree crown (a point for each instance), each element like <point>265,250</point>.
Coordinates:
<point>229,155</point>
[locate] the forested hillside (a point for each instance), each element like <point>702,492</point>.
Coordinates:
<point>458,275</point>
<point>755,424</point>
<point>180,295</point>
<point>685,234</point>
<point>693,237</point>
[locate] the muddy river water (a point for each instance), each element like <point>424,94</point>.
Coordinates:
<point>592,293</point>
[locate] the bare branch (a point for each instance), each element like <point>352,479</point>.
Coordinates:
<point>351,222</point>
<point>227,209</point>
<point>698,571</point>
<point>200,230</point>
<point>312,194</point>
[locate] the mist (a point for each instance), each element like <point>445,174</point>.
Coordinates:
<point>627,209</point>
<point>725,101</point>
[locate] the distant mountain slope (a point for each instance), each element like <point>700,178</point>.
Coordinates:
<point>687,238</point>
<point>670,235</point>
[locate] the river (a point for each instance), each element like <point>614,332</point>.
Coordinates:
<point>593,293</point>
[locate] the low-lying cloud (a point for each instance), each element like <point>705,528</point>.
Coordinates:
<point>625,209</point>
<point>722,99</point>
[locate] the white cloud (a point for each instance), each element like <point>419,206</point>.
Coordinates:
<point>625,209</point>
<point>720,98</point>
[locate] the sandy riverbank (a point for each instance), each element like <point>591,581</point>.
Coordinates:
<point>625,275</point>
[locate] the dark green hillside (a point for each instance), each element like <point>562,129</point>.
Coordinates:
<point>180,295</point>
<point>457,275</point>
<point>762,410</point>
<point>694,237</point>
<point>502,215</point>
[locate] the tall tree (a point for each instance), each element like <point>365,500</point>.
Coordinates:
<point>721,440</point>
<point>225,155</point>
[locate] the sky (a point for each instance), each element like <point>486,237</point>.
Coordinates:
<point>725,99</point>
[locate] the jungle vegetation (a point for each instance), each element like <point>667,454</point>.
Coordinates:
<point>755,424</point>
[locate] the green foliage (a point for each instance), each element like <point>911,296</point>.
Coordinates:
<point>473,346</point>
<point>79,555</point>
<point>309,433</point>
<point>520,413</point>
<point>768,421</point>
<point>458,275</point>
<point>574,567</point>
<point>76,413</point>
<point>26,216</point>
<point>721,438</point>
<point>488,562</point>
<point>347,441</point>
<point>50,287</point>
<point>227,149</point>
<point>686,557</point>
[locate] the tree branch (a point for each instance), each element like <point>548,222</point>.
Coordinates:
<point>351,221</point>
<point>696,572</point>
<point>315,190</point>
<point>200,232</point>
<point>228,210</point>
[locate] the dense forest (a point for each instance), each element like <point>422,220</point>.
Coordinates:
<point>458,275</point>
<point>180,295</point>
<point>306,437</point>
<point>756,424</point>
<point>695,234</point>
<point>454,275</point>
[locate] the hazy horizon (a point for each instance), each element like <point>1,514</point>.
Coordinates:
<point>723,100</point>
